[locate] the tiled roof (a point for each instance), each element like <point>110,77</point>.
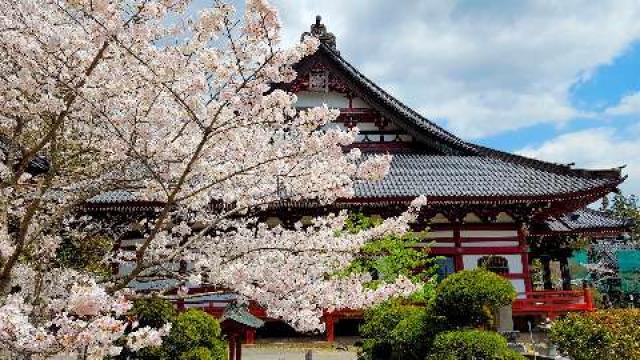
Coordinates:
<point>584,220</point>
<point>113,197</point>
<point>413,175</point>
<point>465,170</point>
<point>474,176</point>
<point>240,314</point>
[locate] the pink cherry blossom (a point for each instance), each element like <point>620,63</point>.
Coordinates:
<point>182,111</point>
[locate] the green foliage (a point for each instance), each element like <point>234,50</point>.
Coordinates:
<point>201,353</point>
<point>194,335</point>
<point>471,345</point>
<point>396,330</point>
<point>609,334</point>
<point>470,298</point>
<point>154,312</point>
<point>195,329</point>
<point>627,207</point>
<point>85,254</point>
<point>392,256</point>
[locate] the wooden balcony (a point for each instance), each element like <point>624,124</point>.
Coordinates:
<point>552,304</point>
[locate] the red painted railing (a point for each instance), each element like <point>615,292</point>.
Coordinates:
<point>553,303</point>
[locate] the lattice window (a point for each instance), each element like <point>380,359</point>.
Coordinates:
<point>496,264</point>
<point>319,80</point>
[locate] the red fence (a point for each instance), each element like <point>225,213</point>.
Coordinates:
<point>553,303</point>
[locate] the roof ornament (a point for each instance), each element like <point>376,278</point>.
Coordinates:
<point>319,30</point>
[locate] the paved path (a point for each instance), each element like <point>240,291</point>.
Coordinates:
<point>295,354</point>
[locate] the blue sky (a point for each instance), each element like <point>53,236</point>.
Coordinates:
<point>556,80</point>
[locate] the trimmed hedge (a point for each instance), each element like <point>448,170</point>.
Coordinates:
<point>471,345</point>
<point>606,334</point>
<point>470,298</point>
<point>394,330</point>
<point>195,335</point>
<point>193,332</point>
<point>153,312</point>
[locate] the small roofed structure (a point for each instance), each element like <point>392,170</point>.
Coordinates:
<point>585,222</point>
<point>236,320</point>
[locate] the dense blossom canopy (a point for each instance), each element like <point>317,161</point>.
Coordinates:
<point>180,109</point>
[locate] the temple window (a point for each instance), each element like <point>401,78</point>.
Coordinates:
<point>471,218</point>
<point>496,264</point>
<point>319,80</point>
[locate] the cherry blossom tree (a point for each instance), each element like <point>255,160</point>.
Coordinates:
<point>182,110</point>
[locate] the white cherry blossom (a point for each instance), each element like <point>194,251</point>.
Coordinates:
<point>184,111</point>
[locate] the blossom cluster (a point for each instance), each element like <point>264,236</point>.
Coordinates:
<point>183,111</point>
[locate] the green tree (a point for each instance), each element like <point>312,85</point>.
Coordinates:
<point>196,333</point>
<point>399,329</point>
<point>626,208</point>
<point>392,256</point>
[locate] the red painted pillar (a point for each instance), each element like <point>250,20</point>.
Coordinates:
<point>457,240</point>
<point>238,350</point>
<point>232,347</point>
<point>588,299</point>
<point>330,324</point>
<point>250,336</point>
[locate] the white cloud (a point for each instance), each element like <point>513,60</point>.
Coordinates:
<point>597,148</point>
<point>628,105</point>
<point>481,67</point>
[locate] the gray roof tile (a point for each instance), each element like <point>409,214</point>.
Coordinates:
<point>450,176</point>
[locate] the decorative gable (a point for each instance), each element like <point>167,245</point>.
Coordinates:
<point>320,85</point>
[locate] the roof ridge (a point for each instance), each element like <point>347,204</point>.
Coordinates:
<point>439,131</point>
<point>613,173</point>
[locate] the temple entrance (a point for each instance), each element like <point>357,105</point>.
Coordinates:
<point>348,327</point>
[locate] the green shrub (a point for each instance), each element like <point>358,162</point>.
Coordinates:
<point>471,345</point>
<point>194,335</point>
<point>470,298</point>
<point>608,334</point>
<point>154,312</point>
<point>395,330</point>
<point>199,353</point>
<point>195,329</point>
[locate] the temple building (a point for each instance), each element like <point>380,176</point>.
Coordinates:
<point>486,208</point>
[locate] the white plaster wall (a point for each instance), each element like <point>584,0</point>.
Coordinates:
<point>440,244</point>
<point>359,103</point>
<point>440,234</point>
<point>515,262</point>
<point>476,244</point>
<point>488,233</point>
<point>312,98</point>
<point>131,242</point>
